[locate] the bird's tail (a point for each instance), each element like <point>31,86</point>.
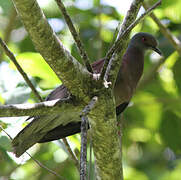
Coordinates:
<point>33,133</point>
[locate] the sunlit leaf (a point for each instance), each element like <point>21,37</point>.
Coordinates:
<point>34,65</point>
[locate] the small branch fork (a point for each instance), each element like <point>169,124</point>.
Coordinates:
<point>126,31</point>
<point>75,35</point>
<point>84,127</point>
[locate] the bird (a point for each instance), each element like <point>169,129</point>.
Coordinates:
<point>129,74</point>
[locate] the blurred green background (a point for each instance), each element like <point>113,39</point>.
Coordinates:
<point>152,122</point>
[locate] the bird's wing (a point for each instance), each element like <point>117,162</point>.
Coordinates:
<point>41,125</point>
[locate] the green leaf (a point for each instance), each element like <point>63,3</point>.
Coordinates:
<point>35,65</point>
<point>171,9</point>
<point>170,130</point>
<point>5,143</point>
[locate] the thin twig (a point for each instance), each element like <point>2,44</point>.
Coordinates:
<point>12,57</point>
<point>39,163</point>
<point>175,42</point>
<point>116,33</point>
<point>45,167</point>
<point>71,153</point>
<point>75,35</point>
<point>83,154</point>
<point>84,127</point>
<point>116,45</point>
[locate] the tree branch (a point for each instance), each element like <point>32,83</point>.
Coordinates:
<point>36,109</point>
<point>71,153</point>
<point>69,70</point>
<point>75,35</point>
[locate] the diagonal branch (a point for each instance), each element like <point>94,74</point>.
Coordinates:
<point>12,57</point>
<point>84,127</point>
<point>36,109</point>
<point>75,35</point>
<point>71,153</point>
<point>67,68</point>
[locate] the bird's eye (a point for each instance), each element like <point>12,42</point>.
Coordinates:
<point>143,39</point>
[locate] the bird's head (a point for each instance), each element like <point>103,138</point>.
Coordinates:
<point>145,41</point>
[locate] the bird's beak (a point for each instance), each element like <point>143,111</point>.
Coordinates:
<point>156,50</point>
